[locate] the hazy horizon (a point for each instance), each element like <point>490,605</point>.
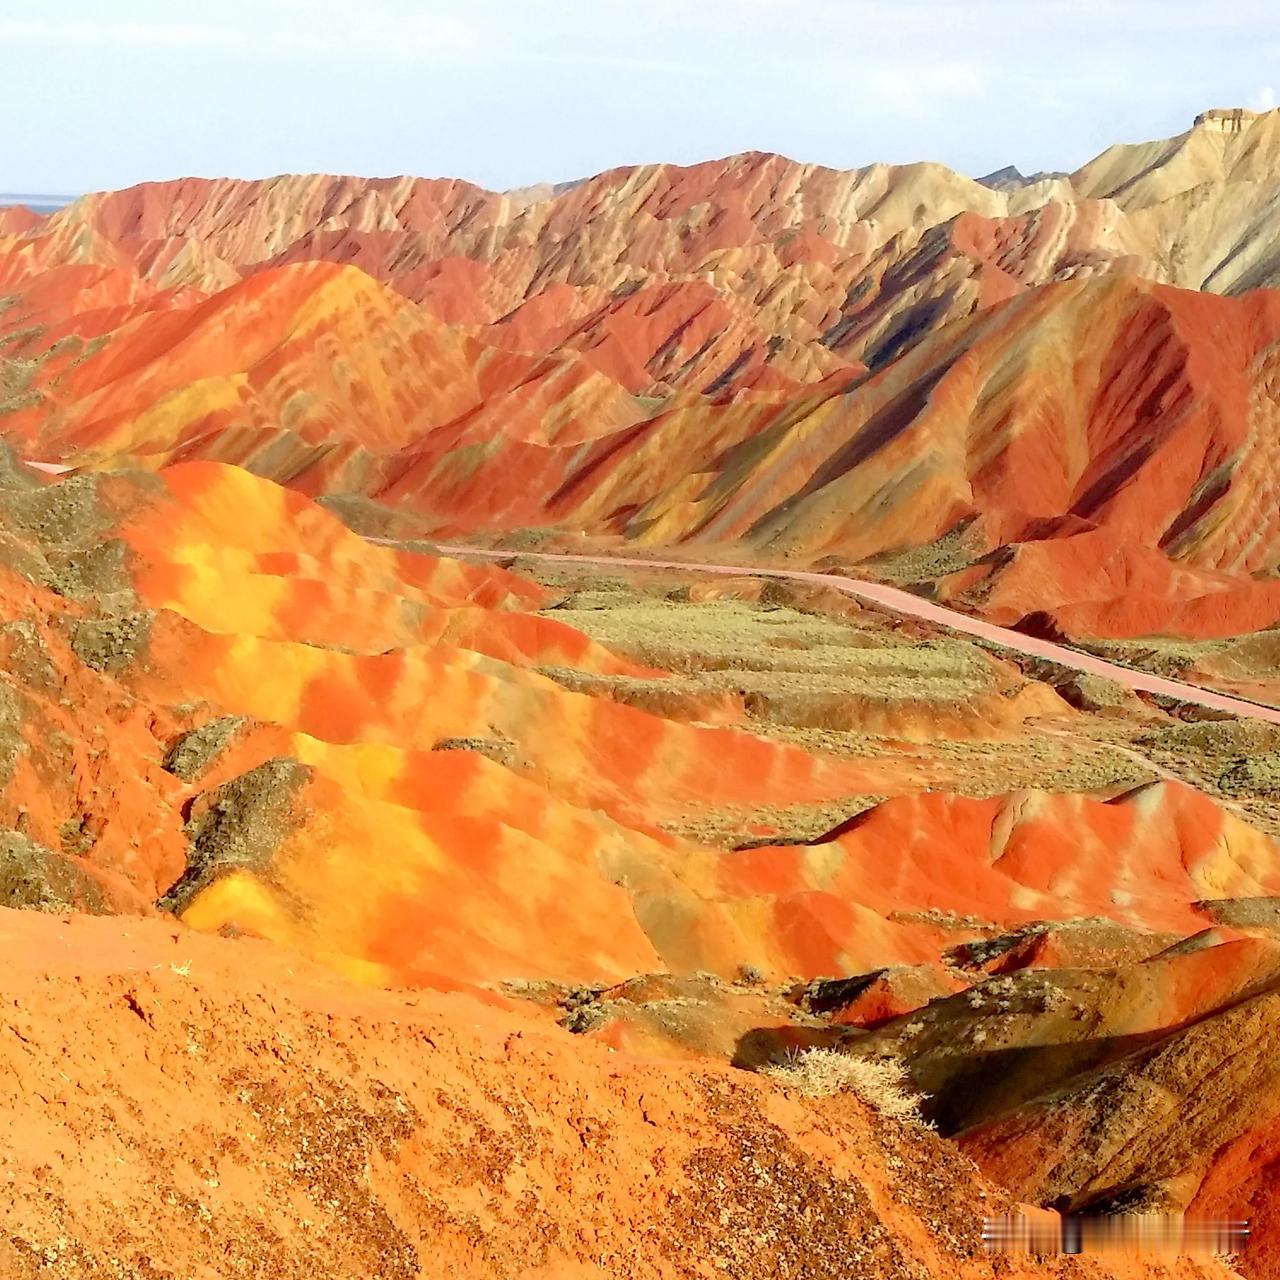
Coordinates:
<point>508,94</point>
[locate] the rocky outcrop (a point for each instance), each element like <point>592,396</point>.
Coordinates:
<point>1227,119</point>
<point>266,1118</point>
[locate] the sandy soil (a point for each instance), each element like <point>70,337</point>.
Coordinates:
<point>195,1107</point>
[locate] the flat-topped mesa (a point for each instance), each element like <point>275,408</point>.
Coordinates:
<point>1226,119</point>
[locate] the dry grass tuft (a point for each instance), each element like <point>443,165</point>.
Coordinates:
<point>819,1073</point>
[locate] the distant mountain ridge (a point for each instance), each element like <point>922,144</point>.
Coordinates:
<point>36,203</point>
<point>826,363</point>
<point>1010,178</point>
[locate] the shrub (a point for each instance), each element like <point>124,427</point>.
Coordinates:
<point>819,1073</point>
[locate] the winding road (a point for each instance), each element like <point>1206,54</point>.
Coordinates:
<point>905,602</point>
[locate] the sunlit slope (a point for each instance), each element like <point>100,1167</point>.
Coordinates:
<point>306,371</point>
<point>1144,860</point>
<point>201,557</point>
<point>390,827</point>
<point>376,832</point>
<point>1100,447</point>
<point>278,748</point>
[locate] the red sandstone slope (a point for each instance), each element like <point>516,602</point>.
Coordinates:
<point>1099,447</point>
<point>309,680</point>
<point>1101,442</point>
<point>308,370</point>
<point>251,1115</point>
<point>349,750</point>
<point>810,261</point>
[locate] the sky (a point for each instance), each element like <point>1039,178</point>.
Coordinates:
<point>105,93</point>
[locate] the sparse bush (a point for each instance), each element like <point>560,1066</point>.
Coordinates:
<point>819,1073</point>
<point>18,338</point>
<point>530,539</point>
<point>1252,775</point>
<point>17,391</point>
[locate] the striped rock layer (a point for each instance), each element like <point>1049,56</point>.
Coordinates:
<point>222,700</point>
<point>822,363</point>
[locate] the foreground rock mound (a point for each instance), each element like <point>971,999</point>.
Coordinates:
<point>266,1119</point>
<point>1144,1087</point>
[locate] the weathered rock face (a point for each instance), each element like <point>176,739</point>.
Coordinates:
<point>222,712</point>
<point>266,1118</point>
<point>1187,1121</point>
<point>850,364</point>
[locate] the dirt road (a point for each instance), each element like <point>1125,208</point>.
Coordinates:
<point>912,605</point>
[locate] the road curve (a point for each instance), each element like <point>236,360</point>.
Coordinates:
<point>906,603</point>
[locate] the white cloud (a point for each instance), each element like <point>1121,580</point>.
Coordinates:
<point>28,31</point>
<point>920,90</point>
<point>322,29</point>
<point>326,33</point>
<point>1264,99</point>
<point>658,66</point>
